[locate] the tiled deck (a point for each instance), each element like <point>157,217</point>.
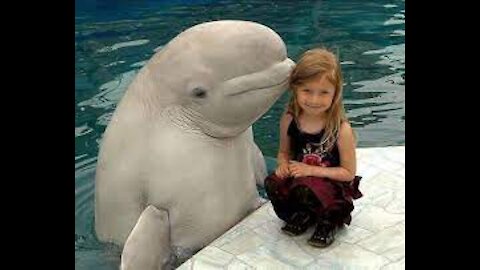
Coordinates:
<point>374,240</point>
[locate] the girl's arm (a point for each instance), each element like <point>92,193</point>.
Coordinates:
<point>348,162</point>
<point>283,156</point>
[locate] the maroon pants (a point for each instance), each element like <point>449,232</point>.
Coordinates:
<point>328,200</point>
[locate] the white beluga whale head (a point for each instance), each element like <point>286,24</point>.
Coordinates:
<point>219,77</point>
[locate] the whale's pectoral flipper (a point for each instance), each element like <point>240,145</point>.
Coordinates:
<point>260,167</point>
<point>148,245</point>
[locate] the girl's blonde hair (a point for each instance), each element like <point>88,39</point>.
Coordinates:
<point>313,63</point>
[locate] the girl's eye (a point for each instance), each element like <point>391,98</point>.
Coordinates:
<point>306,90</point>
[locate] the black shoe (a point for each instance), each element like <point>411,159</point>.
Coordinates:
<point>323,236</point>
<point>298,223</point>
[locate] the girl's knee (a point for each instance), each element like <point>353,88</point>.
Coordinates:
<point>270,184</point>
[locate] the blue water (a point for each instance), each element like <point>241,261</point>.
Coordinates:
<point>113,39</point>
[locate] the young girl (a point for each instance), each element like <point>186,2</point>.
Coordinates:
<point>315,180</point>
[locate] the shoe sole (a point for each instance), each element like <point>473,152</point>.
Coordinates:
<point>319,245</point>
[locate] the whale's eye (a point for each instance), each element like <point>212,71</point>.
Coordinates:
<point>199,92</point>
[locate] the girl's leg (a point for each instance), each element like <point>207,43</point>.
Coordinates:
<point>305,205</point>
<point>275,189</point>
<point>328,223</point>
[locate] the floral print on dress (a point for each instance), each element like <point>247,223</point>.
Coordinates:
<point>314,154</point>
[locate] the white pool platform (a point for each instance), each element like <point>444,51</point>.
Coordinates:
<point>374,240</point>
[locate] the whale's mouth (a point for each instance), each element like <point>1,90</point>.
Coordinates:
<point>243,91</point>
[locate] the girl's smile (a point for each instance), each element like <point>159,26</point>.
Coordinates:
<point>314,106</point>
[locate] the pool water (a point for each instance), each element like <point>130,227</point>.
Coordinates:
<point>114,39</point>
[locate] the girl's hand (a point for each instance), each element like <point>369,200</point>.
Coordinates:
<point>299,169</point>
<point>282,170</point>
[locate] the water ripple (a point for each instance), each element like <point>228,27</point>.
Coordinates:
<point>120,45</point>
<point>110,92</point>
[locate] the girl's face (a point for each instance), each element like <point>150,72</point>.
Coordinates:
<point>315,96</point>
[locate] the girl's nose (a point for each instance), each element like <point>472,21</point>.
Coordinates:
<point>316,99</point>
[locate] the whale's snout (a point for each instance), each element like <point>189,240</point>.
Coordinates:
<point>274,77</point>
